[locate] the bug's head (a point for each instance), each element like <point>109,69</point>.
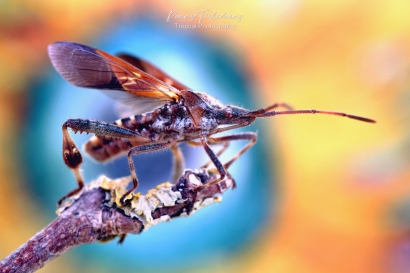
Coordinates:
<point>232,114</point>
<point>202,105</point>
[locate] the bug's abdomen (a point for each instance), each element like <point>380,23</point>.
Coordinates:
<point>104,149</point>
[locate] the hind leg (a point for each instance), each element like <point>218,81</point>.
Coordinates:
<point>71,154</point>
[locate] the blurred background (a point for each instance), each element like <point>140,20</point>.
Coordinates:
<point>315,194</point>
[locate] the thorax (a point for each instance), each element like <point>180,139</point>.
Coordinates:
<point>171,121</point>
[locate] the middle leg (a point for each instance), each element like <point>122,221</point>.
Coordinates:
<point>178,163</point>
<point>140,150</point>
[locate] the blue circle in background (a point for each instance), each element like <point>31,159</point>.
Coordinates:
<point>209,236</point>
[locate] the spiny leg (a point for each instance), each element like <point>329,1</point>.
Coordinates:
<point>103,129</point>
<point>140,150</point>
<point>177,164</point>
<point>71,154</point>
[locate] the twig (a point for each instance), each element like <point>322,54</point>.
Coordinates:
<point>96,214</point>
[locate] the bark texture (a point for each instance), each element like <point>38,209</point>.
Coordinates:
<point>93,216</point>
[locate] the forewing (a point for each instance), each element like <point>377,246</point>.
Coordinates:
<point>85,66</point>
<point>152,70</point>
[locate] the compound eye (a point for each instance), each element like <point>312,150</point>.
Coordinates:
<point>228,113</point>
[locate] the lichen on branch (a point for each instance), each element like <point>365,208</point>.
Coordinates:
<point>96,214</point>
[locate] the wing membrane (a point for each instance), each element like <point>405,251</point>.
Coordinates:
<point>88,67</point>
<point>152,70</point>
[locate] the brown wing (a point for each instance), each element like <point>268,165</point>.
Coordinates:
<point>152,70</point>
<point>85,66</point>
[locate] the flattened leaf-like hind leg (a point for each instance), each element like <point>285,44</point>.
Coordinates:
<point>71,154</point>
<point>73,159</point>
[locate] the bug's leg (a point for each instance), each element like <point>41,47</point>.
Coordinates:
<point>218,165</point>
<point>103,129</point>
<point>177,164</point>
<point>225,146</point>
<point>140,150</point>
<point>71,154</point>
<point>122,238</point>
<point>73,159</point>
<point>252,137</point>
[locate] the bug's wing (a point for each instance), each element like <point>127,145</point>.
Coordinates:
<point>153,70</point>
<point>85,66</point>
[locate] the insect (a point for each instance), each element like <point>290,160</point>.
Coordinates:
<point>166,112</point>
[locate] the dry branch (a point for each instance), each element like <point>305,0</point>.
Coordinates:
<point>95,214</point>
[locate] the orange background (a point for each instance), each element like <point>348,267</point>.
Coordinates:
<point>341,181</point>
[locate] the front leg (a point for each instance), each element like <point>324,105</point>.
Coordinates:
<point>225,146</point>
<point>214,158</point>
<point>71,154</point>
<point>250,136</point>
